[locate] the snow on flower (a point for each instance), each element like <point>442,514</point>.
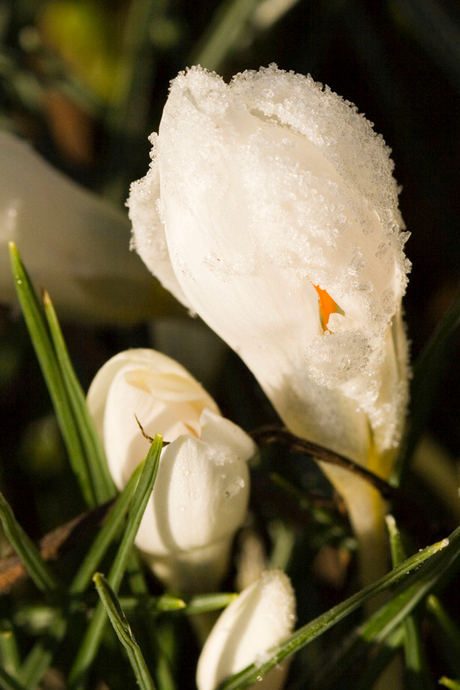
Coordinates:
<point>270,209</point>
<point>261,617</point>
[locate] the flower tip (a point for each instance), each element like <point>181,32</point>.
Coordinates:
<point>258,620</point>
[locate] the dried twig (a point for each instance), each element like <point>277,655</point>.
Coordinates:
<point>266,435</point>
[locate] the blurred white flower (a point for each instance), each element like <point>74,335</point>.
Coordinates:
<point>72,241</point>
<point>262,617</point>
<point>270,209</point>
<point>201,492</point>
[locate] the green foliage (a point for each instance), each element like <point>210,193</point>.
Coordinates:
<point>139,46</point>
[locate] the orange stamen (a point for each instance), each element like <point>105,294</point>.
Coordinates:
<point>327,306</point>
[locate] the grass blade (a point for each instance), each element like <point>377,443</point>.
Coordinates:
<point>425,383</point>
<point>448,637</point>
<point>7,682</point>
<point>124,633</point>
<point>372,672</point>
<point>317,627</point>
<point>413,646</point>
<point>42,653</point>
<point>26,549</point>
<point>161,668</point>
<point>92,639</point>
<point>102,483</point>
<point>451,684</point>
<point>391,615</point>
<point>9,653</point>
<point>226,28</point>
<point>51,373</point>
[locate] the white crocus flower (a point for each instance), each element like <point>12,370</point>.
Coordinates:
<point>73,242</point>
<point>201,492</point>
<point>270,209</point>
<point>261,617</point>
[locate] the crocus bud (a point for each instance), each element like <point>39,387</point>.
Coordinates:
<point>270,209</point>
<point>72,241</point>
<point>262,617</point>
<point>202,488</point>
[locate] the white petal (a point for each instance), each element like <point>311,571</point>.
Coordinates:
<point>268,187</point>
<point>73,242</point>
<point>261,617</point>
<point>195,571</point>
<point>150,360</point>
<point>217,430</point>
<point>200,496</point>
<point>149,238</point>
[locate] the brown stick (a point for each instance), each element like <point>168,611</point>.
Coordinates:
<point>266,435</point>
<point>53,544</point>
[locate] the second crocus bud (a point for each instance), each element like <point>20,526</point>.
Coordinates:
<point>262,617</point>
<point>201,492</point>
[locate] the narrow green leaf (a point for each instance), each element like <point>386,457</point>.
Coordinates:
<point>7,682</point>
<point>449,642</point>
<point>41,654</point>
<point>406,597</point>
<point>162,671</point>
<point>9,653</point>
<point>92,639</point>
<point>451,684</point>
<point>101,480</point>
<point>425,383</point>
<point>414,652</point>
<point>202,603</point>
<point>26,549</point>
<point>224,32</point>
<point>124,633</point>
<point>380,661</point>
<point>51,373</point>
<point>105,535</point>
<point>317,627</point>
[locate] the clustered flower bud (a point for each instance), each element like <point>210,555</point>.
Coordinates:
<point>201,492</point>
<point>270,209</point>
<point>262,617</point>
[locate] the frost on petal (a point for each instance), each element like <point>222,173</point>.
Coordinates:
<point>148,238</point>
<point>261,617</point>
<point>333,359</point>
<point>271,188</point>
<point>332,124</point>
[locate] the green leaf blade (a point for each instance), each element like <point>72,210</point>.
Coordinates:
<point>101,480</point>
<point>26,549</point>
<point>124,633</point>
<point>51,373</point>
<point>311,630</point>
<point>93,636</point>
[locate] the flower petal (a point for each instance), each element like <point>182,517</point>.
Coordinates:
<point>261,617</point>
<point>72,241</point>
<point>270,188</point>
<point>199,498</point>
